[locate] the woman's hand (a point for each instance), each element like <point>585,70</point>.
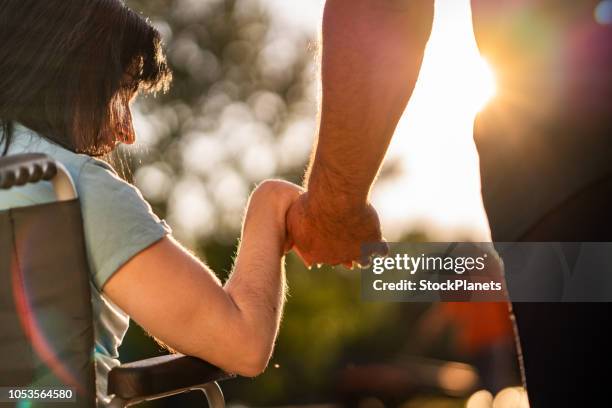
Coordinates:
<point>267,209</point>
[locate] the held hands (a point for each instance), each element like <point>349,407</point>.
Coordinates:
<point>320,233</point>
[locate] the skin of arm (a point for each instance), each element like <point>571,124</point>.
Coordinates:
<point>371,56</point>
<point>178,300</point>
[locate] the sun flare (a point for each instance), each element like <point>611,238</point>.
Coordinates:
<point>439,185</point>
<point>484,86</point>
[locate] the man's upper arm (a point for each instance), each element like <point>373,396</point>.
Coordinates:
<point>403,5</point>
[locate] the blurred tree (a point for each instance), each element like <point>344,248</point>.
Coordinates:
<point>241,109</point>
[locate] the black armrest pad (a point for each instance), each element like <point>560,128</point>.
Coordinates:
<point>160,375</point>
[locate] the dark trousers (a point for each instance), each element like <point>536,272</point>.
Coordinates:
<point>566,352</point>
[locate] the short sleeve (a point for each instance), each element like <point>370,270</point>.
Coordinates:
<point>118,223</point>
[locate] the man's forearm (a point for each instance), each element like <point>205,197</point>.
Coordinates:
<point>371,55</point>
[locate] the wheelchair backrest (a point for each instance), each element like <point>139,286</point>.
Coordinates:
<point>46,327</point>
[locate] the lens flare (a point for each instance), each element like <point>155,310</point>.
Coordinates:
<point>603,12</point>
<point>30,321</point>
<point>484,85</point>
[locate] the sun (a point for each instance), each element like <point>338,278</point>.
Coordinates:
<point>455,79</point>
<point>484,85</point>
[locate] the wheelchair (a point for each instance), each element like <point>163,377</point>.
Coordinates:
<point>46,321</point>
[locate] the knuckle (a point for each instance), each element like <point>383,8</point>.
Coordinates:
<point>268,185</point>
<point>266,190</point>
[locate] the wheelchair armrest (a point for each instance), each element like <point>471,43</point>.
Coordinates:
<point>25,168</point>
<point>161,375</point>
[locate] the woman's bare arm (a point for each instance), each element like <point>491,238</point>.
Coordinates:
<point>177,299</point>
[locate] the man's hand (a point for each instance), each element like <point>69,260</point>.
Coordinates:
<point>371,57</point>
<point>324,234</point>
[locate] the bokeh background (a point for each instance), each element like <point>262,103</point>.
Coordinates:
<point>243,108</point>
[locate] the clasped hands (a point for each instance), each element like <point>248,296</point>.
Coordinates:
<point>321,231</point>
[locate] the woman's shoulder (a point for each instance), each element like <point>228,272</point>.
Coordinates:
<point>98,182</point>
<point>24,140</point>
<point>82,168</point>
<point>117,220</point>
<point>99,172</point>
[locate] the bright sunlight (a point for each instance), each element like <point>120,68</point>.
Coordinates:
<point>435,174</point>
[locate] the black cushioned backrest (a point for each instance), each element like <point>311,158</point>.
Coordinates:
<point>46,328</point>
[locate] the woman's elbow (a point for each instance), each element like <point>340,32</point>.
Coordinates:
<point>243,360</point>
<point>255,358</point>
<point>252,368</point>
<point>244,355</point>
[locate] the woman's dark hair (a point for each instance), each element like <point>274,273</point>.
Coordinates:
<point>69,67</point>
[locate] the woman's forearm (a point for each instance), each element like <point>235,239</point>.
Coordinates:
<point>257,284</point>
<point>257,288</point>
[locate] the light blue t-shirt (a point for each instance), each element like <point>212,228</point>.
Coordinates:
<point>118,224</point>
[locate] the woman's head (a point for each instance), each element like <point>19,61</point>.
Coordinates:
<point>68,69</point>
